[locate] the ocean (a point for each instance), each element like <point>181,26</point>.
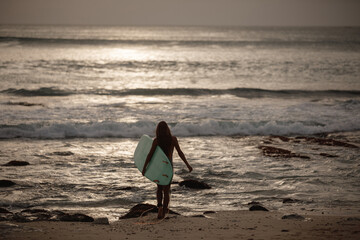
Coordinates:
<point>75,100</point>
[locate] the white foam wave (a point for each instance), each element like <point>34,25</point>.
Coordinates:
<point>205,128</point>
<point>259,128</point>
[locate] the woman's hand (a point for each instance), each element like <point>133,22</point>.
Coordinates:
<point>190,169</point>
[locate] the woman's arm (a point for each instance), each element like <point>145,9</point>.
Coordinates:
<point>149,156</point>
<point>181,154</point>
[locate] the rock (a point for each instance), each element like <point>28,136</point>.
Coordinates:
<point>209,212</point>
<point>5,215</point>
<point>279,152</point>
<point>3,210</point>
<point>282,138</point>
<point>3,219</point>
<point>20,218</point>
<point>142,210</point>
<point>6,183</point>
<point>66,153</point>
<point>328,155</point>
<point>16,163</point>
<point>293,216</point>
<point>258,208</point>
<point>327,142</point>
<point>194,184</point>
<point>35,211</point>
<point>31,215</point>
<point>275,152</point>
<point>77,217</point>
<point>26,104</point>
<point>290,200</point>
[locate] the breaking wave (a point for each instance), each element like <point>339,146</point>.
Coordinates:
<point>137,129</point>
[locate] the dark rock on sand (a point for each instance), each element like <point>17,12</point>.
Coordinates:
<point>279,152</point>
<point>199,216</point>
<point>194,184</point>
<point>6,183</point>
<point>16,163</point>
<point>209,212</point>
<point>31,215</point>
<point>66,153</point>
<point>258,208</point>
<point>77,217</point>
<point>293,216</point>
<point>142,210</point>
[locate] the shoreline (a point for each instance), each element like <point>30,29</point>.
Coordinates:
<point>220,225</point>
<point>287,152</point>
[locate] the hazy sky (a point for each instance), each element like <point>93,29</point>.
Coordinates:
<point>182,12</point>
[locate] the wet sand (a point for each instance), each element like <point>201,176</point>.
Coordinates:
<point>221,225</point>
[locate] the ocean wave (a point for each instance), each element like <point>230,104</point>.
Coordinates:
<point>137,129</point>
<point>172,42</point>
<point>238,92</point>
<point>44,91</point>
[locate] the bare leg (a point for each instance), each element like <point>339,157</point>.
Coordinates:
<point>159,195</point>
<point>166,190</point>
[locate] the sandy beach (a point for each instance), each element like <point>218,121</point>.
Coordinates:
<point>220,225</point>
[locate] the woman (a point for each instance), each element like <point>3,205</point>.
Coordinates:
<point>167,143</point>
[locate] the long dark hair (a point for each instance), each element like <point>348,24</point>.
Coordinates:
<point>164,137</point>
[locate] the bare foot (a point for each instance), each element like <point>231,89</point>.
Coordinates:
<point>160,213</point>
<point>165,211</point>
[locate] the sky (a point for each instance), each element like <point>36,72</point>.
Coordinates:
<point>183,12</point>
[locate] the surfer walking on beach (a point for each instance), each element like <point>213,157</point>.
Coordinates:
<point>167,143</point>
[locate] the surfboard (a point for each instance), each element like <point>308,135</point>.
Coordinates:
<point>159,169</point>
